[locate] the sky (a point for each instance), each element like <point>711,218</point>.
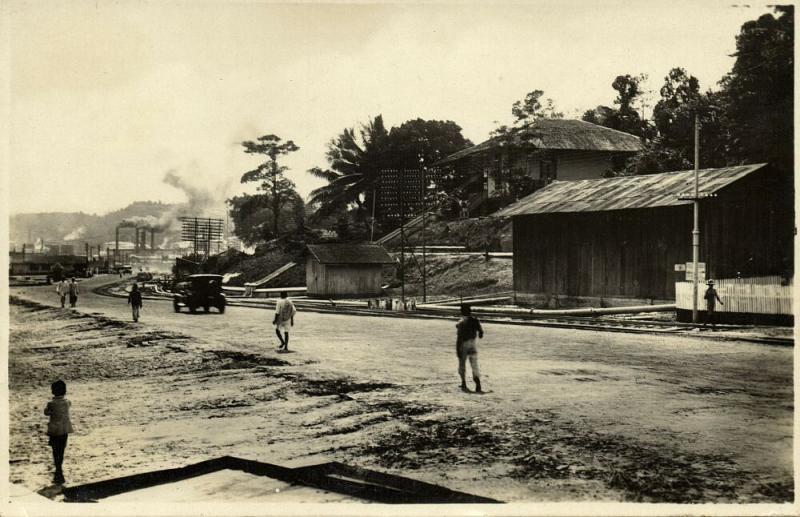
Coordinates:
<point>104,98</point>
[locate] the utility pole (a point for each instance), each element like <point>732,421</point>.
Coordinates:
<point>402,237</point>
<point>696,230</point>
<point>424,190</point>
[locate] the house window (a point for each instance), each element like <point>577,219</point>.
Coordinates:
<point>547,170</point>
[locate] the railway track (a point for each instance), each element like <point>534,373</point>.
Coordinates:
<point>588,323</point>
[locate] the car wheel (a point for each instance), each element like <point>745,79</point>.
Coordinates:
<point>176,306</point>
<point>206,308</point>
<point>192,309</point>
<point>221,308</point>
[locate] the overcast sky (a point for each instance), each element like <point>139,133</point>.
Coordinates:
<point>106,97</point>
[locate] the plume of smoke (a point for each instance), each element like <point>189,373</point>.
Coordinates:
<point>200,200</point>
<point>75,234</point>
<point>147,221</point>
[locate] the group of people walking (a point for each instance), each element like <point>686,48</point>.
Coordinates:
<point>69,289</point>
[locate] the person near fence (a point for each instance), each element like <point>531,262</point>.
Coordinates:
<point>711,298</point>
<point>135,301</point>
<point>284,320</point>
<point>468,329</point>
<point>59,426</point>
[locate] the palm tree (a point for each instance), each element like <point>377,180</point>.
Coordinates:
<point>354,168</point>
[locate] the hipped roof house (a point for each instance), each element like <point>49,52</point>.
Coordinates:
<point>559,134</point>
<point>544,150</point>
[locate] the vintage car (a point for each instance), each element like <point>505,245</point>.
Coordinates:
<point>199,291</point>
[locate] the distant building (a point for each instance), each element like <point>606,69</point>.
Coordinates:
<point>617,240</point>
<point>60,249</point>
<point>546,150</point>
<point>28,265</point>
<point>345,270</point>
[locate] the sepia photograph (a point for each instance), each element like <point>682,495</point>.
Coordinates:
<point>397,258</point>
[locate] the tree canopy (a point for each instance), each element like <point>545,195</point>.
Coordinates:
<point>274,209</point>
<point>356,159</point>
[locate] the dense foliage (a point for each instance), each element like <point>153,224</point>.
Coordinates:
<point>277,208</point>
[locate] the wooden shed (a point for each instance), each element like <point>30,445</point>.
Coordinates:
<point>345,270</point>
<point>617,240</point>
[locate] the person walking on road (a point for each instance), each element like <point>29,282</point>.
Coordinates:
<point>59,426</point>
<point>284,320</point>
<point>73,293</point>
<point>712,297</point>
<point>63,290</point>
<point>135,301</point>
<point>468,329</point>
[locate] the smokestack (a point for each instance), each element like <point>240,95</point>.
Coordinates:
<point>152,238</point>
<point>116,248</point>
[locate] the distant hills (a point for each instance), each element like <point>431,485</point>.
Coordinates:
<point>79,227</point>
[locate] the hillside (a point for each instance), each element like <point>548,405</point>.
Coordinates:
<point>459,275</point>
<point>80,226</point>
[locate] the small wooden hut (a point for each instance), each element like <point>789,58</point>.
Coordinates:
<point>345,270</point>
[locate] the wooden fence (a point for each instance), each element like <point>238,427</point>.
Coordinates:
<point>760,295</point>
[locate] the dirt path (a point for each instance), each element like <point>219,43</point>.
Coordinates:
<point>572,416</point>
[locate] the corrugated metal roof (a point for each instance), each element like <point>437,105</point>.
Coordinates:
<point>350,254</point>
<point>646,191</point>
<point>561,134</point>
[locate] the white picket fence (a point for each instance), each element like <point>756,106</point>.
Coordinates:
<point>760,295</point>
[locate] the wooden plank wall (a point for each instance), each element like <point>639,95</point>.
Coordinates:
<point>747,230</point>
<point>762,295</point>
<point>628,253</point>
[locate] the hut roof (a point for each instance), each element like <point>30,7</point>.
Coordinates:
<point>565,134</point>
<point>647,191</point>
<point>350,254</point>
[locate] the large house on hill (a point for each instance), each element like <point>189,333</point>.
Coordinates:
<point>544,151</point>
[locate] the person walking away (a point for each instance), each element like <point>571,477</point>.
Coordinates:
<point>468,329</point>
<point>712,297</point>
<point>73,293</point>
<point>283,320</point>
<point>63,289</point>
<point>59,426</point>
<point>135,301</point>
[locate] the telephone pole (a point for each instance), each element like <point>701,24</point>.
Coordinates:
<point>696,230</point>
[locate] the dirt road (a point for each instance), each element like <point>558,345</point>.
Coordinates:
<point>572,415</point>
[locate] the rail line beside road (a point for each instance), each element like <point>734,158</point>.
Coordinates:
<point>594,324</point>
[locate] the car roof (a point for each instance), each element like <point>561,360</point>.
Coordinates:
<point>205,276</point>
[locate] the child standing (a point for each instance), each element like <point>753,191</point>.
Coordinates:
<point>468,328</point>
<point>59,426</point>
<point>135,301</point>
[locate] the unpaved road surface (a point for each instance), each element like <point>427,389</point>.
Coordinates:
<point>572,415</point>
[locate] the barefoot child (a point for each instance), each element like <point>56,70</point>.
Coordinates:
<point>468,328</point>
<point>59,426</point>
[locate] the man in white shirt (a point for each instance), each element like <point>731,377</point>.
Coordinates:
<point>63,289</point>
<point>283,320</point>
